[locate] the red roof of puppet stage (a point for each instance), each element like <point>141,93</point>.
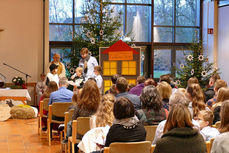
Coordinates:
<point>119,46</point>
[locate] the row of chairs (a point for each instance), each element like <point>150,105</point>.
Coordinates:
<point>81,126</point>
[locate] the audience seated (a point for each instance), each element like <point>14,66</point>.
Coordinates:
<point>218,84</point>
<point>104,114</point>
<point>100,124</point>
<point>192,80</point>
<point>205,120</point>
<point>196,96</point>
<point>209,93</point>
<point>52,86</point>
<point>62,94</point>
<point>176,98</point>
<point>168,79</point>
<point>113,80</point>
<point>149,82</point>
<point>87,105</point>
<point>138,88</point>
<point>223,95</point>
<point>152,112</point>
<point>221,142</point>
<point>165,91</point>
<point>121,87</point>
<point>126,126</point>
<point>179,135</point>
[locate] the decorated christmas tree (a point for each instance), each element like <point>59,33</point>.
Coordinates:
<point>195,64</point>
<point>101,28</point>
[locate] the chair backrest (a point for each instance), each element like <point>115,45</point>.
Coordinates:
<point>131,147</point>
<point>70,114</point>
<point>59,108</point>
<point>83,125</point>
<point>150,132</point>
<point>45,104</point>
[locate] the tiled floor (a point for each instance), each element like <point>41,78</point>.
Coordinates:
<point>20,136</point>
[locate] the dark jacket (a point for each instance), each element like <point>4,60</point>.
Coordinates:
<point>151,117</point>
<point>181,140</point>
<point>209,93</point>
<point>118,133</point>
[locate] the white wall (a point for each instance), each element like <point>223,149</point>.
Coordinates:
<point>210,17</point>
<point>22,39</point>
<point>223,42</point>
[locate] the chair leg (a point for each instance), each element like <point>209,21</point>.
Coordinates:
<point>49,133</point>
<point>68,146</point>
<point>38,124</point>
<point>61,136</point>
<point>65,148</point>
<point>73,148</point>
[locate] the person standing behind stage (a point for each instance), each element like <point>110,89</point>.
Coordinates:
<point>61,68</point>
<point>88,63</point>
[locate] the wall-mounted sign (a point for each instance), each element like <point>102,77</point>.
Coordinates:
<point>121,55</point>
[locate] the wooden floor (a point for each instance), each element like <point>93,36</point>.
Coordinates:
<point>20,136</point>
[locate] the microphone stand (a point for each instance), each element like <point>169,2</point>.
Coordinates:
<point>26,75</point>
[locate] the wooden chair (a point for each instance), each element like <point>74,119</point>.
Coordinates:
<point>130,147</point>
<point>56,109</point>
<point>150,132</point>
<point>80,127</point>
<point>43,106</point>
<point>209,145</point>
<point>67,118</point>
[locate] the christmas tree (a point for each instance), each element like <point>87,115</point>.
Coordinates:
<point>196,64</point>
<point>101,28</point>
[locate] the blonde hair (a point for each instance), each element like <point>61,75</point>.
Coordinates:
<point>98,68</point>
<point>84,51</point>
<point>79,69</point>
<point>164,89</point>
<point>197,98</point>
<point>193,80</point>
<point>108,97</point>
<point>224,113</point>
<point>104,114</point>
<point>219,84</point>
<point>223,94</point>
<point>207,115</point>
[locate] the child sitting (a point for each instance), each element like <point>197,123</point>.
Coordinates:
<point>78,77</point>
<point>98,78</point>
<point>40,88</point>
<point>205,120</point>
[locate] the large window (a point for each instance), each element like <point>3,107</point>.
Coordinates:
<point>172,25</point>
<point>136,18</point>
<point>176,21</point>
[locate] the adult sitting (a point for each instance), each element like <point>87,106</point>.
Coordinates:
<point>221,142</point>
<point>61,68</point>
<point>176,98</point>
<point>179,135</point>
<point>210,92</point>
<point>165,91</point>
<point>126,127</point>
<point>152,112</point>
<point>122,87</point>
<point>138,88</point>
<point>86,106</point>
<point>62,94</point>
<point>88,63</point>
